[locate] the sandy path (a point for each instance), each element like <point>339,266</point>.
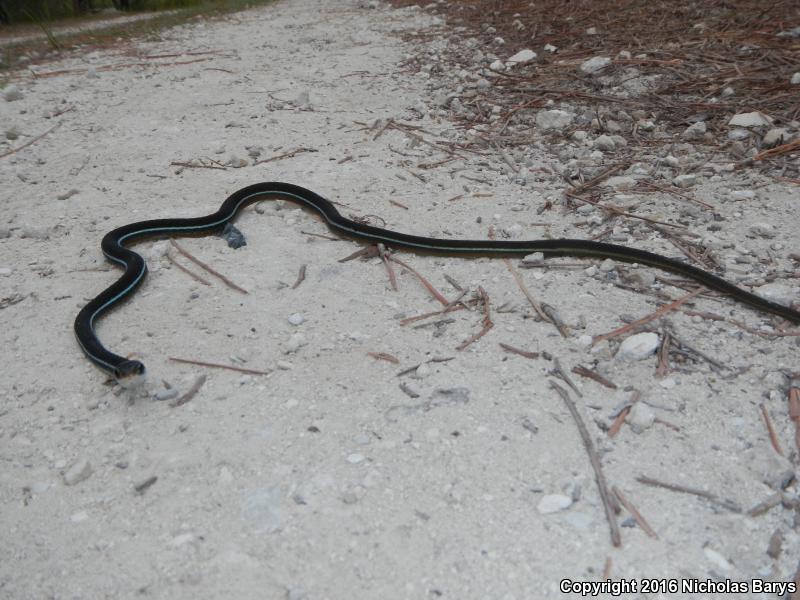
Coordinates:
<point>326,479</point>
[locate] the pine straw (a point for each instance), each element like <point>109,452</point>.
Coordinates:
<point>683,52</point>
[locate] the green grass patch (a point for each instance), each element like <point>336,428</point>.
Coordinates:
<point>53,42</point>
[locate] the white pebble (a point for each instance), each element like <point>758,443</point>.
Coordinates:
<point>717,559</point>
<point>638,346</point>
<point>607,266</point>
<point>553,503</point>
<point>423,371</point>
<point>640,417</point>
<point>685,181</point>
<point>12,93</point>
<point>294,343</point>
<point>593,65</point>
<point>296,319</point>
<point>355,458</point>
<point>5,272</point>
<point>284,365</point>
<point>79,471</point>
<point>740,195</point>
<point>668,383</point>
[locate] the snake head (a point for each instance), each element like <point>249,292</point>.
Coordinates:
<point>130,374</point>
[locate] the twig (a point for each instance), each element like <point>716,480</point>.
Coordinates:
<point>191,393</point>
<point>428,286</point>
<point>617,424</point>
<point>385,256</point>
<point>201,165</point>
<point>584,372</point>
<point>794,412</point>
<point>634,512</point>
<point>559,371</point>
<point>531,299</point>
<point>513,350</point>
<point>773,437</point>
<point>594,459</point>
<point>435,313</point>
<point>189,361</point>
<point>289,154</point>
<point>663,356</point>
<point>639,322</point>
<point>301,277</point>
<point>674,487</point>
<point>194,276</point>
<point>487,322</point>
<point>31,142</point>
<point>579,189</point>
<point>200,263</point>
<point>384,356</point>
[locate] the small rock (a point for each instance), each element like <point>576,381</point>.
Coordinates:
<point>284,365</point>
<point>78,472</point>
<point>303,100</point>
<point>607,265</point>
<point>355,458</point>
<point>717,559</point>
<point>774,137</point>
<point>553,119</point>
<point>79,517</point>
<point>778,292</point>
<point>593,65</point>
<point>669,382</point>
<point>537,258</point>
<point>795,80</point>
<point>578,520</point>
<point>765,230</point>
<point>423,371</point>
<point>497,65</point>
<point>162,395</point>
<point>640,417</point>
<point>550,48</point>
<point>295,342</point>
<point>751,119</point>
<point>685,181</point>
<point>296,319</point>
<point>642,279</point>
<point>67,195</point>
<point>740,195</point>
<point>739,134</point>
<point>695,131</point>
<point>236,162</point>
<point>639,346</point>
<point>553,503</point>
<point>621,182</point>
<point>579,135</point>
<point>604,142</point>
<point>521,57</point>
<point>12,93</point>
<point>5,271</point>
<point>12,133</point>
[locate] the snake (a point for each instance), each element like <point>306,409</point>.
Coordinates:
<point>129,372</point>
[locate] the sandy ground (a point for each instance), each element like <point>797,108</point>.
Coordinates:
<point>327,479</point>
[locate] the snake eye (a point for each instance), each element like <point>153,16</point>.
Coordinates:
<point>129,373</point>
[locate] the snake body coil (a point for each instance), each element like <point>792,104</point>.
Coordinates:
<point>113,245</point>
